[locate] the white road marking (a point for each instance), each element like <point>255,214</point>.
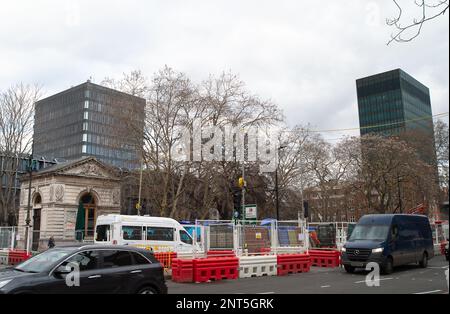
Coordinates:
<point>326,287</point>
<point>267,293</point>
<point>382,279</point>
<point>429,292</point>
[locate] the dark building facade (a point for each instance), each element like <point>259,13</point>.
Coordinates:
<point>90,120</point>
<point>394,103</point>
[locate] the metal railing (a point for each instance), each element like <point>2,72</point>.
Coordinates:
<point>8,237</point>
<point>252,237</point>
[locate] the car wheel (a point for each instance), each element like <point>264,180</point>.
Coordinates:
<point>147,290</point>
<point>424,262</point>
<point>349,269</point>
<point>388,267</point>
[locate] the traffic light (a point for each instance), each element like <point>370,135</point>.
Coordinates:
<point>237,201</point>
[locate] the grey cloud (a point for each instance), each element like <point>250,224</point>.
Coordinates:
<point>304,55</point>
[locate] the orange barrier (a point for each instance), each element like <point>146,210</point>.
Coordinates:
<point>323,258</point>
<point>166,258</point>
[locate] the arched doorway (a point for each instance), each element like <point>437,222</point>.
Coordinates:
<point>37,208</point>
<point>86,216</point>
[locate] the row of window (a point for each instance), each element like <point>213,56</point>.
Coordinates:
<point>138,233</point>
<point>105,259</point>
<point>103,151</point>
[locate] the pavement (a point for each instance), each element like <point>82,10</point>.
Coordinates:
<point>409,279</point>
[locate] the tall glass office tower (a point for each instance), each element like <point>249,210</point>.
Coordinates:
<point>90,120</point>
<point>394,103</point>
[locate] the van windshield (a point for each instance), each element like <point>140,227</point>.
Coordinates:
<point>370,232</point>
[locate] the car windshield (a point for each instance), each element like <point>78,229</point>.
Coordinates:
<point>43,261</point>
<point>370,232</point>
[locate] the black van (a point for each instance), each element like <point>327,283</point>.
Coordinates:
<point>389,240</point>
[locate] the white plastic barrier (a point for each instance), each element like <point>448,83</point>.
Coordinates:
<point>289,250</point>
<point>257,266</point>
<point>190,255</point>
<point>4,257</point>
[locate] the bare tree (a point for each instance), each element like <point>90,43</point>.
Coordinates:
<point>134,83</point>
<point>406,32</point>
<point>388,174</point>
<point>441,142</point>
<point>16,132</point>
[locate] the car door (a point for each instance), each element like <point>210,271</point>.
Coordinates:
<point>116,267</point>
<point>143,273</point>
<point>83,276</point>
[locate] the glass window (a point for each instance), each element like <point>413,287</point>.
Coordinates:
<point>408,232</point>
<point>139,259</point>
<point>103,233</point>
<point>132,233</point>
<point>112,259</point>
<point>86,104</point>
<point>160,234</point>
<point>85,137</point>
<point>84,150</point>
<point>43,261</point>
<point>85,260</point>
<point>185,237</point>
<point>86,115</point>
<point>370,232</point>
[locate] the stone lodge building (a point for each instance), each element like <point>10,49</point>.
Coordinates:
<point>59,192</point>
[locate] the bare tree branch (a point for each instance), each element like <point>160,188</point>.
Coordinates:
<point>411,30</point>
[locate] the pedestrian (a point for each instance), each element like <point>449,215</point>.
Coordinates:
<point>51,243</point>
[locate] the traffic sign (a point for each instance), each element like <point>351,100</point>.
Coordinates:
<point>251,212</point>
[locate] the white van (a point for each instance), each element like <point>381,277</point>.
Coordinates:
<point>156,233</point>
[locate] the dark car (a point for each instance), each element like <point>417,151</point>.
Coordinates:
<point>86,270</point>
<point>390,241</point>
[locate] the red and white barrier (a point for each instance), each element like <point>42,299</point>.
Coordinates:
<point>210,269</point>
<point>257,266</point>
<point>325,258</point>
<point>293,264</point>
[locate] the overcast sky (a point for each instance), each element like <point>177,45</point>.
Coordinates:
<point>304,55</point>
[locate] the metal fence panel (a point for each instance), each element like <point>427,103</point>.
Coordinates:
<point>8,237</point>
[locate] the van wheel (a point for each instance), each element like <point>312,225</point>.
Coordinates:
<point>349,269</point>
<point>424,262</point>
<point>388,267</point>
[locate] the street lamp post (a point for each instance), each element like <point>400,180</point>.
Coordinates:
<point>28,219</point>
<point>277,199</point>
